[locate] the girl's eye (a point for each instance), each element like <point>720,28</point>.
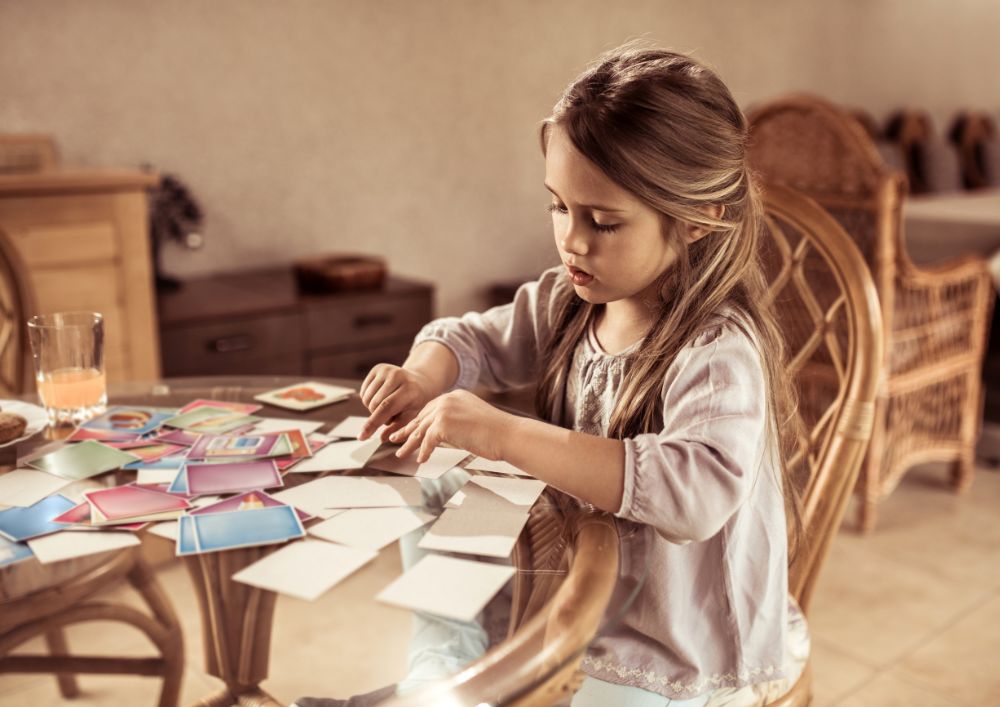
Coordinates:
<point>556,208</point>
<point>605,227</point>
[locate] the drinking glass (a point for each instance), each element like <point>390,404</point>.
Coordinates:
<point>68,349</point>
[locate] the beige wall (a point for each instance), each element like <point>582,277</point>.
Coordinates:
<point>407,128</point>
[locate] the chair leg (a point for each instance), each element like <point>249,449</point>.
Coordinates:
<point>56,641</point>
<point>172,650</point>
<point>867,512</point>
<point>962,472</point>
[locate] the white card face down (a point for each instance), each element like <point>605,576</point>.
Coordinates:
<point>370,528</point>
<point>305,569</point>
<point>493,493</point>
<point>26,487</point>
<point>371,491</point>
<point>338,456</point>
<point>447,586</point>
<point>349,427</point>
<point>67,545</point>
<point>497,467</point>
<point>474,532</point>
<point>277,424</point>
<point>441,460</point>
<point>309,497</point>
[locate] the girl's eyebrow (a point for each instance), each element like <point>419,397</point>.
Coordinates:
<point>592,207</point>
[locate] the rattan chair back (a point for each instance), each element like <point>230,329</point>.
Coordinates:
<point>825,301</point>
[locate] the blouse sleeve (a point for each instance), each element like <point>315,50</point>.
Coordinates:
<point>499,348</point>
<point>688,480</point>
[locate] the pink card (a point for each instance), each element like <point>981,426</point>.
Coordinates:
<point>235,446</point>
<point>233,477</point>
<point>132,502</point>
<point>246,501</point>
<point>80,515</point>
<point>247,408</point>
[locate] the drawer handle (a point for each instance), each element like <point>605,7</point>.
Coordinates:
<point>231,344</point>
<point>369,320</point>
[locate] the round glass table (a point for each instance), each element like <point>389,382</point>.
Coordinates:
<point>565,589</point>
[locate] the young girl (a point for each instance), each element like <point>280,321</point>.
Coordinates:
<point>658,374</point>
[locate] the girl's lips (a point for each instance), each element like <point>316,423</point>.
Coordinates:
<point>578,276</point>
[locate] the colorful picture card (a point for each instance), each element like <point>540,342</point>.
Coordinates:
<point>81,434</point>
<point>148,452</point>
<point>246,502</point>
<point>231,477</point>
<point>305,396</point>
<point>133,503</point>
<point>79,515</point>
<point>212,446</point>
<point>132,420</point>
<point>223,531</point>
<point>17,524</point>
<point>245,408</point>
<point>83,460</point>
<point>210,420</point>
<point>315,442</point>
<point>11,552</point>
<point>185,438</point>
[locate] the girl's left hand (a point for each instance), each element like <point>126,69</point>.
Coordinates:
<point>460,419</point>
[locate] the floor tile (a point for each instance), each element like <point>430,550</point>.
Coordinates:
<point>835,674</point>
<point>876,608</point>
<point>889,690</point>
<point>962,660</point>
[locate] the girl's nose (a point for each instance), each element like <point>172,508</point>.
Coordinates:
<point>573,241</point>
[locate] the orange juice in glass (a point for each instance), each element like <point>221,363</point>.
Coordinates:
<point>68,350</point>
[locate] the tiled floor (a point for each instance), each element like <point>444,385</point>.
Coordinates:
<point>907,616</point>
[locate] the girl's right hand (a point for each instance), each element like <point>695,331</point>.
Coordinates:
<point>394,396</point>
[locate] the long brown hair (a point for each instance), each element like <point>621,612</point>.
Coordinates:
<point>666,128</point>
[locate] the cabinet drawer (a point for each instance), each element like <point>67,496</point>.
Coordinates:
<point>350,323</point>
<point>260,345</point>
<point>356,364</point>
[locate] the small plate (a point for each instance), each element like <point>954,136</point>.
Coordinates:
<point>36,417</point>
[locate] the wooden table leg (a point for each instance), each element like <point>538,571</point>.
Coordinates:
<point>236,624</point>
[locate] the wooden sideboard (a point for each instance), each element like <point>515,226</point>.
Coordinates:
<point>84,238</point>
<point>257,322</point>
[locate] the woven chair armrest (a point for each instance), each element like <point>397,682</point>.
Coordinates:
<point>940,313</point>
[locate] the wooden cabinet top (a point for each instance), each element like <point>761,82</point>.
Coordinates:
<point>75,181</point>
<point>254,292</point>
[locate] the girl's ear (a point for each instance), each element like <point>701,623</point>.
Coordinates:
<point>696,233</point>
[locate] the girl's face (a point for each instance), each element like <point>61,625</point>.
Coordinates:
<point>612,244</point>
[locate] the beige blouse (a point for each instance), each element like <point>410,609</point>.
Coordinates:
<point>702,515</point>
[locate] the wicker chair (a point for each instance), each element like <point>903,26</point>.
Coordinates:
<point>42,600</point>
<point>931,163</point>
<point>828,309</point>
<point>935,319</point>
<point>976,137</point>
<point>17,302</point>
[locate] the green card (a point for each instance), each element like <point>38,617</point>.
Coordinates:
<point>83,460</point>
<point>209,420</point>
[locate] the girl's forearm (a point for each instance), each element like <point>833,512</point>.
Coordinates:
<point>588,467</point>
<point>436,363</point>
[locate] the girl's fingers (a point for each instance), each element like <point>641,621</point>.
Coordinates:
<point>383,411</point>
<point>371,385</point>
<point>411,443</point>
<point>427,445</point>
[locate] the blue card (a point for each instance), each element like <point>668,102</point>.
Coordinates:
<point>257,526</point>
<point>180,482</point>
<point>13,552</point>
<point>185,536</point>
<point>23,523</point>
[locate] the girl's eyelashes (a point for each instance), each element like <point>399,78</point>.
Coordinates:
<point>599,227</point>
